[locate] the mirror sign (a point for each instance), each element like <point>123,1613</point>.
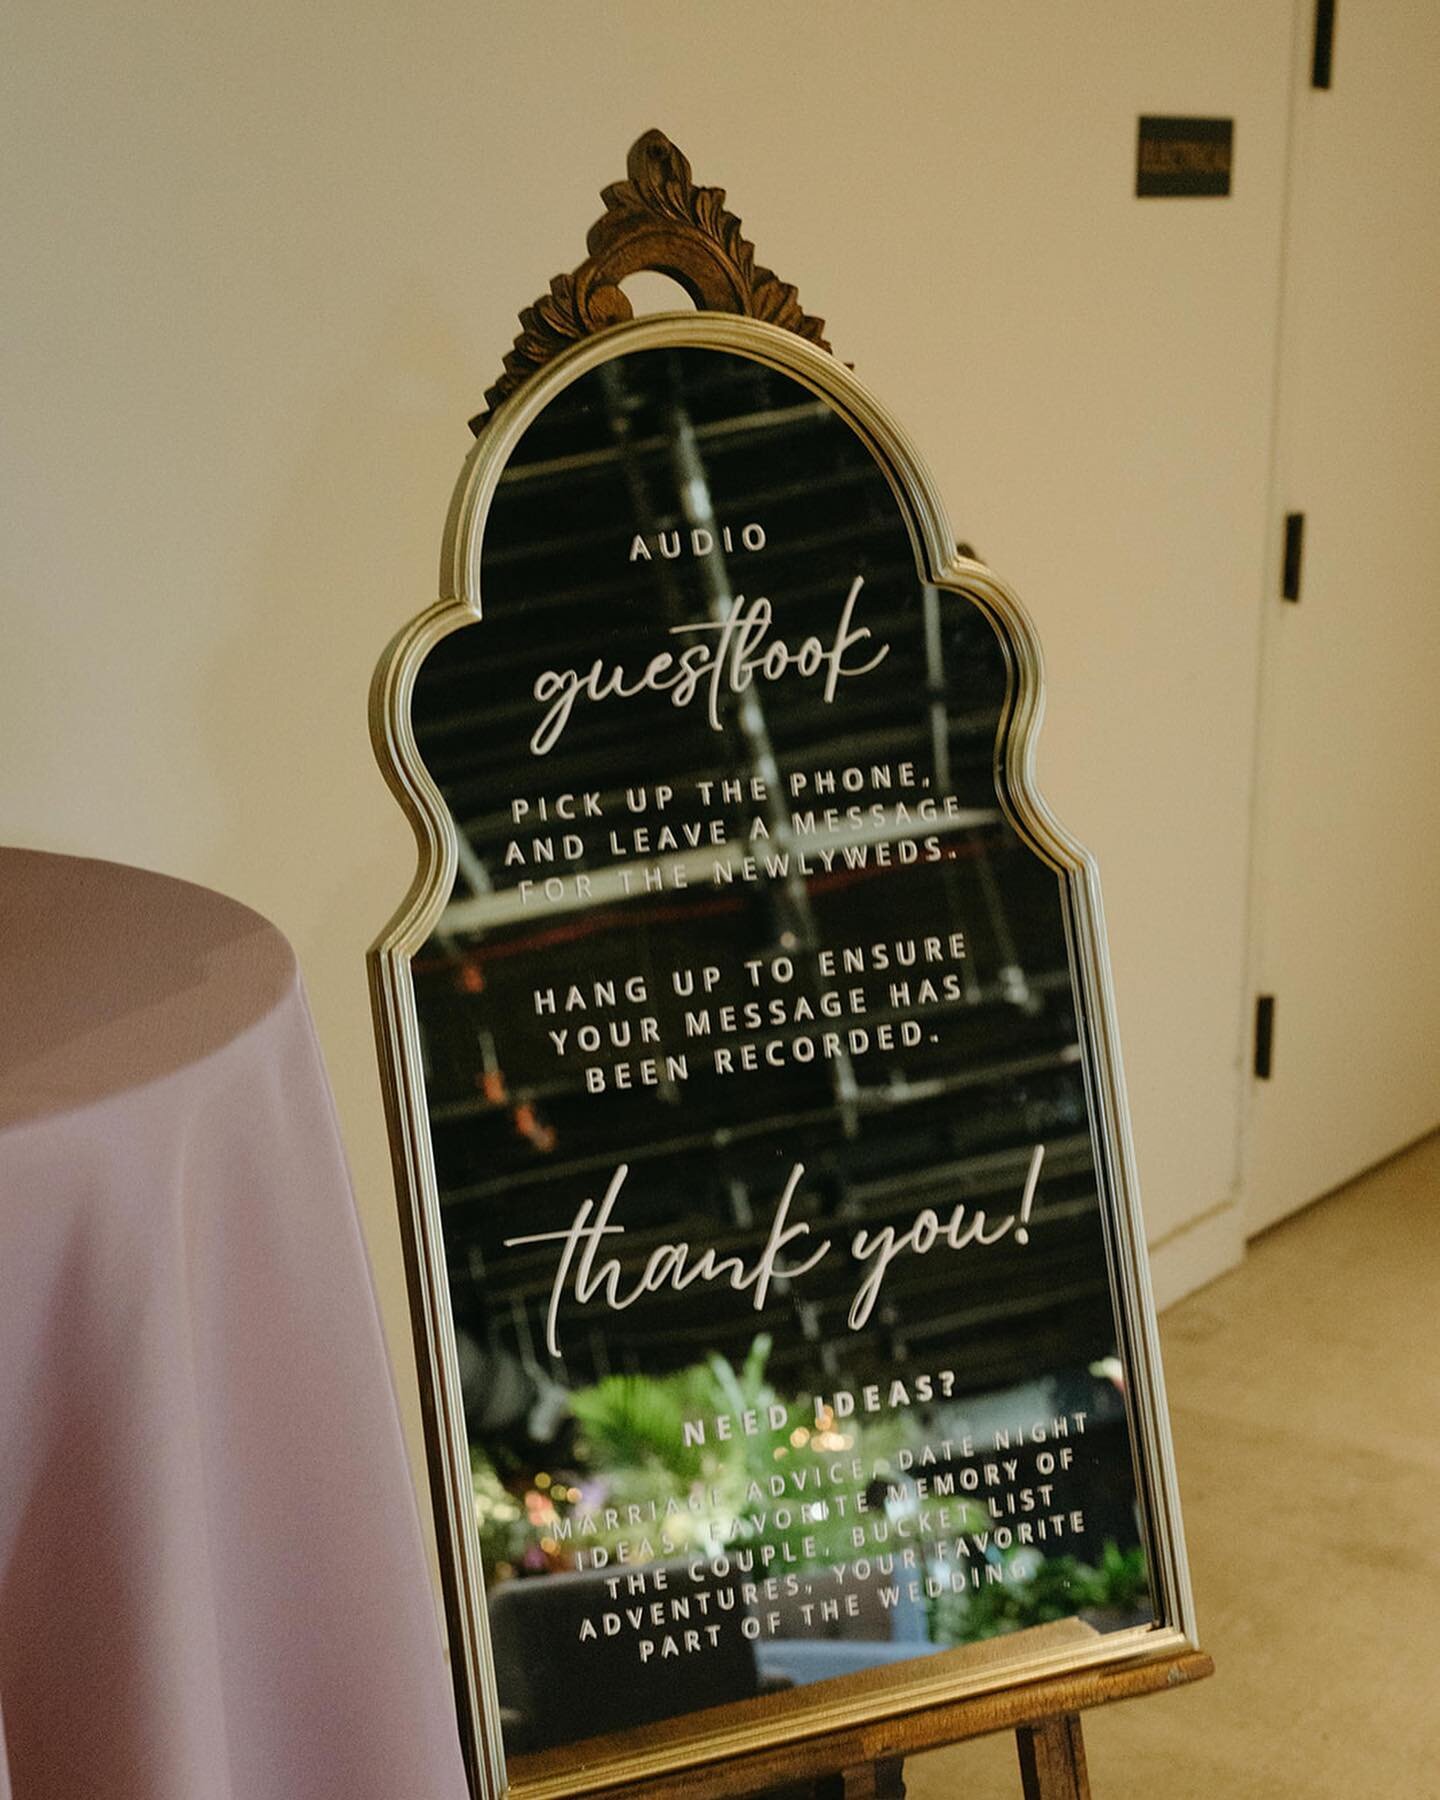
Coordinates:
<point>775,1257</point>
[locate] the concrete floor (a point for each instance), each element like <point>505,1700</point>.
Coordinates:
<point>1305,1393</point>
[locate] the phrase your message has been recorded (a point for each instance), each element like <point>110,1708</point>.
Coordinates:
<point>748,1014</point>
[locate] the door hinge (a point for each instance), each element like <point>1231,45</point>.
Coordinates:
<point>1324,50</point>
<point>1294,549</point>
<point>1264,1035</point>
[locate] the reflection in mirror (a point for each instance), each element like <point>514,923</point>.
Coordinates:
<point>758,1104</point>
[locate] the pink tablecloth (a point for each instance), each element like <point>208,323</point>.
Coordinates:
<point>212,1585</point>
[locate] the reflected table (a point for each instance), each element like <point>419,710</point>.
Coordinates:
<point>212,1581</point>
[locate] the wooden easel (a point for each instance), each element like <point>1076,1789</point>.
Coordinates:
<point>867,1763</point>
<point>1045,1718</point>
<point>1052,1767</point>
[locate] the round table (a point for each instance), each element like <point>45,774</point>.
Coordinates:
<point>212,1580</point>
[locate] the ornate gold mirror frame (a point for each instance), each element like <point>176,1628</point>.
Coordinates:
<point>658,220</point>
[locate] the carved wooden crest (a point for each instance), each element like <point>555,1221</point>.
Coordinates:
<point>656,220</point>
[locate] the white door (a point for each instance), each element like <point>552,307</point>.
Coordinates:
<point>1347,893</point>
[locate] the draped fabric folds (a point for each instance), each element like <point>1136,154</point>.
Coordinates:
<point>212,1580</point>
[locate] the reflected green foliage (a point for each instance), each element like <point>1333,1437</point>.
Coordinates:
<point>762,1485</point>
<point>632,1422</point>
<point>1059,1588</point>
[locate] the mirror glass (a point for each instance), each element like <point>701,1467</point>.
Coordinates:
<point>759,1113</point>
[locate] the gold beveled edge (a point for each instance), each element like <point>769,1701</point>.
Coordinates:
<point>392,994</point>
<point>397,1032</point>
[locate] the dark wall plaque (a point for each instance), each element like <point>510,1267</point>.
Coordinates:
<point>1176,157</point>
<point>778,1279</point>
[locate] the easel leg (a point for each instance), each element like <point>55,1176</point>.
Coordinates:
<point>1052,1759</point>
<point>871,1781</point>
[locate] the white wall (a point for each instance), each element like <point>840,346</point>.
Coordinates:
<point>262,261</point>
